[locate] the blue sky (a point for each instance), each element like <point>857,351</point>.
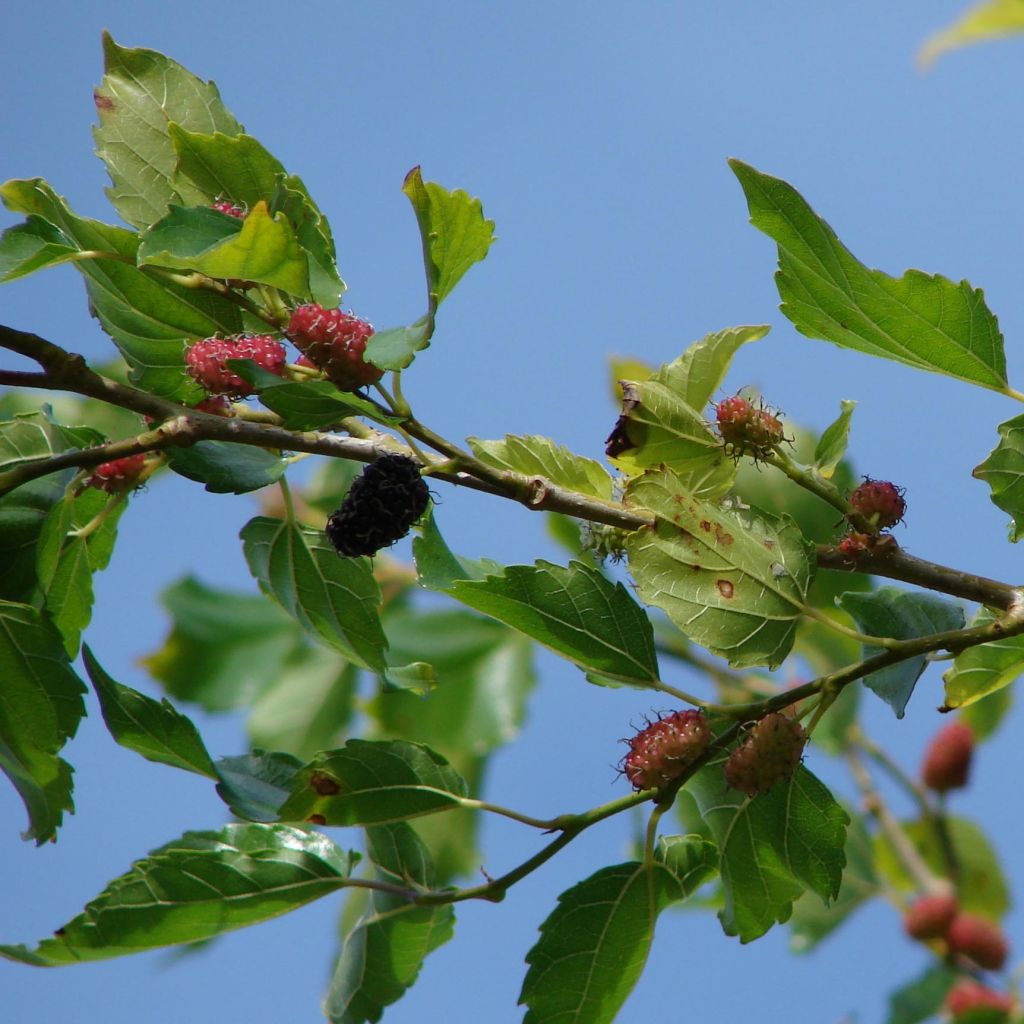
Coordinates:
<point>597,140</point>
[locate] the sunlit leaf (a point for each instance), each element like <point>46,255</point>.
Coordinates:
<point>730,579</point>
<point>256,785</point>
<point>991,19</point>
<point>923,320</point>
<point>1003,471</point>
<point>980,671</point>
<point>832,444</point>
<point>196,887</point>
<point>142,92</point>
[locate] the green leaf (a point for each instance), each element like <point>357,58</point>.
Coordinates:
<point>992,19</point>
<point>730,579</point>
<point>262,248</point>
<point>308,705</point>
<point>832,444</point>
<point>336,600</point>
<point>594,944</point>
<point>980,671</point>
<point>437,566</point>
<point>142,92</point>
<point>484,672</point>
<point>454,230</point>
<point>383,954</point>
<point>925,321</point>
<point>371,783</point>
<point>224,647</point>
<point>154,729</point>
<point>227,468</point>
<point>922,998</point>
<point>396,347</point>
<point>256,785</point>
<point>149,318</point>
<point>773,847</point>
<point>239,168</point>
<point>574,610</point>
<point>303,405</point>
<point>902,615</point>
<point>539,456</point>
<point>32,246</point>
<point>663,417</point>
<point>40,708</point>
<point>812,921</point>
<point>981,888</point>
<point>986,715</point>
<point>196,887</point>
<point>1003,471</point>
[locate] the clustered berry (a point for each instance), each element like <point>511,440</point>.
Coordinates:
<point>978,939</point>
<point>380,507</point>
<point>880,502</point>
<point>968,997</point>
<point>770,753</point>
<point>119,475</point>
<point>930,917</point>
<point>663,750</point>
<point>747,429</point>
<point>335,341</point>
<point>230,208</point>
<point>947,760</point>
<point>206,361</point>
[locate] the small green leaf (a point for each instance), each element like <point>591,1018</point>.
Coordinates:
<point>32,246</point>
<point>154,729</point>
<point>984,669</point>
<point>256,785</point>
<point>832,444</point>
<point>455,233</point>
<point>981,888</point>
<point>925,321</point>
<point>336,600</point>
<point>396,347</point>
<point>574,610</point>
<point>227,468</point>
<point>663,418</point>
<point>40,708</point>
<point>902,615</point>
<point>730,579</point>
<point>149,317</point>
<point>594,944</point>
<point>986,715</point>
<point>196,887</point>
<point>922,998</point>
<point>1003,471</point>
<point>142,92</point>
<point>539,456</point>
<point>371,783</point>
<point>812,921</point>
<point>773,847</point>
<point>382,956</point>
<point>261,248</point>
<point>224,647</point>
<point>991,19</point>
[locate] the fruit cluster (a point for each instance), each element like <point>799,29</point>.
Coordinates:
<point>747,429</point>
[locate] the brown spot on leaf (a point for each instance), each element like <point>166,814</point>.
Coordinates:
<point>723,538</point>
<point>317,819</point>
<point>769,544</point>
<point>59,932</point>
<point>102,102</point>
<point>705,525</point>
<point>323,784</point>
<point>725,588</point>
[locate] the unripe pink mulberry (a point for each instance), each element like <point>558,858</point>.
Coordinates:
<point>979,940</point>
<point>970,995</point>
<point>206,361</point>
<point>665,749</point>
<point>930,917</point>
<point>335,341</point>
<point>769,754</point>
<point>118,475</point>
<point>880,502</point>
<point>947,761</point>
<point>747,429</point>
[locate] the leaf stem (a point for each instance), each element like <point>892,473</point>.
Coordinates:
<point>888,642</point>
